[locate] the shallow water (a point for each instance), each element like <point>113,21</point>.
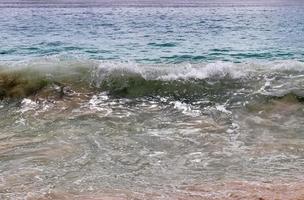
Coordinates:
<point>117,132</point>
<point>151,103</point>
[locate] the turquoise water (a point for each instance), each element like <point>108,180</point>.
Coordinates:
<point>154,35</point>
<point>150,100</point>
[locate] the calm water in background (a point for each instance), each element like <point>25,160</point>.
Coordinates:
<point>154,95</point>
<point>154,34</point>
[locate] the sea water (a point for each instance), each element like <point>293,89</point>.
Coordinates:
<point>151,100</point>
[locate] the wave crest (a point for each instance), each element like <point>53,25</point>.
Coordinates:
<point>127,79</point>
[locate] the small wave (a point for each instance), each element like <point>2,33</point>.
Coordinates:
<point>186,81</point>
<point>162,44</point>
<point>185,57</point>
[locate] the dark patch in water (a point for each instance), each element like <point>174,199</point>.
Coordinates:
<point>292,96</point>
<point>276,103</point>
<point>15,85</point>
<point>134,85</point>
<point>162,44</point>
<point>185,57</point>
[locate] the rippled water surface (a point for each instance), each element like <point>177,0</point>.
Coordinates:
<point>137,102</point>
<point>154,34</point>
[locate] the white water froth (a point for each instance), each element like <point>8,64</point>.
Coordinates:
<point>223,109</point>
<point>98,70</point>
<point>171,72</point>
<point>28,105</point>
<point>185,108</point>
<point>186,71</point>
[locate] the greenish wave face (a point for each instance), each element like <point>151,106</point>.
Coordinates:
<point>133,85</point>
<point>211,82</point>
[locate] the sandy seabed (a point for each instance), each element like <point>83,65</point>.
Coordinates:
<point>236,190</point>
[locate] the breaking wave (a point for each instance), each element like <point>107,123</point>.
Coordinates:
<point>218,80</point>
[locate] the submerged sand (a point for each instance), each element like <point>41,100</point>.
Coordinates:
<point>234,190</point>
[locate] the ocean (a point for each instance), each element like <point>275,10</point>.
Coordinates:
<point>151,99</point>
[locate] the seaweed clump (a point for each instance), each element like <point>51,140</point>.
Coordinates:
<point>18,85</point>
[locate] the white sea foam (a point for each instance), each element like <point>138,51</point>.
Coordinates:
<point>223,109</point>
<point>171,71</point>
<point>28,105</point>
<point>185,108</point>
<point>96,71</point>
<point>98,103</point>
<point>185,71</point>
